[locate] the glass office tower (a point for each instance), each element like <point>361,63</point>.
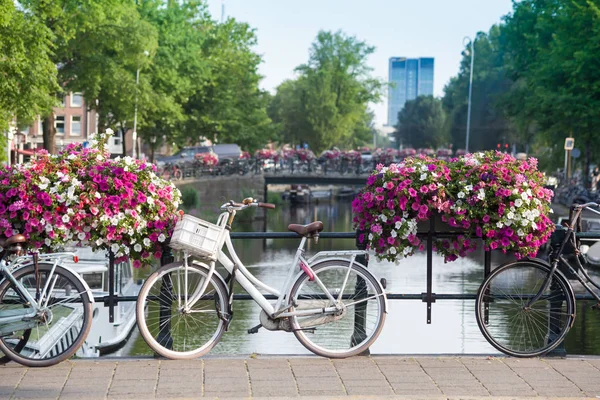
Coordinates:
<point>411,77</point>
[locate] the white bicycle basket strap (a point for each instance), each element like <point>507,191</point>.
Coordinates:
<point>198,237</point>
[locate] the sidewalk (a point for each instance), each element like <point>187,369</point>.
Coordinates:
<point>443,377</point>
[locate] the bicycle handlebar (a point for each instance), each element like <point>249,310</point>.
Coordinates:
<point>586,205</point>
<point>248,202</point>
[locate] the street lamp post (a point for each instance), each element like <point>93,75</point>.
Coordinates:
<point>468,42</point>
<point>134,135</point>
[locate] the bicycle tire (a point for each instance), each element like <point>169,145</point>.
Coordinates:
<point>510,327</point>
<point>158,289</point>
<point>306,293</point>
<point>62,345</point>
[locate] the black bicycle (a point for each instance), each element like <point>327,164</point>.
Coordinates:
<point>525,308</point>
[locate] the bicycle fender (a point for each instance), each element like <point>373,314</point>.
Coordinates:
<point>83,282</point>
<point>385,299</point>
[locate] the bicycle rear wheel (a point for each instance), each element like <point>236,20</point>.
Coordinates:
<point>62,325</point>
<point>515,329</point>
<point>169,330</point>
<point>358,323</point>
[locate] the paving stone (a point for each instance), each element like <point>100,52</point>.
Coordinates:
<point>370,390</point>
<point>411,378</point>
<point>268,364</point>
<point>560,392</point>
<point>319,384</point>
<point>366,382</point>
<point>322,393</point>
<point>462,390</point>
<point>78,396</point>
<point>225,395</point>
<point>181,364</point>
<point>314,372</point>
<point>274,391</point>
<point>309,361</point>
<point>414,393</point>
<point>512,391</point>
<point>36,394</point>
<point>449,362</point>
<point>272,375</point>
<point>424,386</point>
<point>525,363</point>
<point>382,360</point>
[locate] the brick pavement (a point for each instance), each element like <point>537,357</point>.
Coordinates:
<point>443,377</point>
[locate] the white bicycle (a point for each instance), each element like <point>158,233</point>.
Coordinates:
<point>334,306</point>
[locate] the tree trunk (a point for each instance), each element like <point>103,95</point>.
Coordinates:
<point>123,133</point>
<point>49,134</point>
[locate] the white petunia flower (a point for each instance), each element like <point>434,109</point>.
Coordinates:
<point>161,237</point>
<point>147,242</point>
<point>137,247</point>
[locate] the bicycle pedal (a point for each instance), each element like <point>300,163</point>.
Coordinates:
<point>596,306</point>
<point>255,329</point>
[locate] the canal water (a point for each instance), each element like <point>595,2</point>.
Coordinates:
<point>453,329</point>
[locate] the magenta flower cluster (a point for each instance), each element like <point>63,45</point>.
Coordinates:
<point>488,196</point>
<point>207,159</point>
<point>82,197</point>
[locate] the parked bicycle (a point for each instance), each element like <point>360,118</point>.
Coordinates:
<point>332,304</point>
<point>525,308</point>
<point>45,308</point>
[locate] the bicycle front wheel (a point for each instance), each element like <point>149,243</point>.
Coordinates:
<point>352,329</point>
<point>167,327</point>
<point>511,325</point>
<point>62,324</point>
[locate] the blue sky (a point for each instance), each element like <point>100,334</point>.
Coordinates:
<point>415,28</point>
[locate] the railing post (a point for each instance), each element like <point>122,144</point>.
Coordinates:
<point>111,301</point>
<point>429,297</point>
<point>487,268</point>
<point>360,292</point>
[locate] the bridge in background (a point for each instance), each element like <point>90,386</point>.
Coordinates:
<point>307,179</point>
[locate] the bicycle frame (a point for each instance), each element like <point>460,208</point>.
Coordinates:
<point>11,316</point>
<point>559,258</point>
<point>250,283</point>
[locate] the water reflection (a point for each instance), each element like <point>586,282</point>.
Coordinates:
<point>453,328</point>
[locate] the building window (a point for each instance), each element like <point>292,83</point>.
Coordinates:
<point>76,100</point>
<point>76,125</point>
<point>59,124</point>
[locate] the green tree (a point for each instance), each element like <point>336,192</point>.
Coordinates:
<point>27,74</point>
<point>228,106</point>
<point>327,105</point>
<point>95,45</point>
<point>552,49</point>
<point>421,123</point>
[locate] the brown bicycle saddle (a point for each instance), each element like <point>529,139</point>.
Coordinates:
<point>12,240</point>
<point>306,230</point>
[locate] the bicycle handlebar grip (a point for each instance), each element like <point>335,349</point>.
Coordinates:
<point>266,205</point>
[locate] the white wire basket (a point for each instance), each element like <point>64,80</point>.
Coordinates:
<point>198,237</point>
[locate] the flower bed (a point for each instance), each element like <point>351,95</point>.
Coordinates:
<point>82,197</point>
<point>489,196</point>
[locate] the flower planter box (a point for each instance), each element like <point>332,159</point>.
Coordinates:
<point>495,197</point>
